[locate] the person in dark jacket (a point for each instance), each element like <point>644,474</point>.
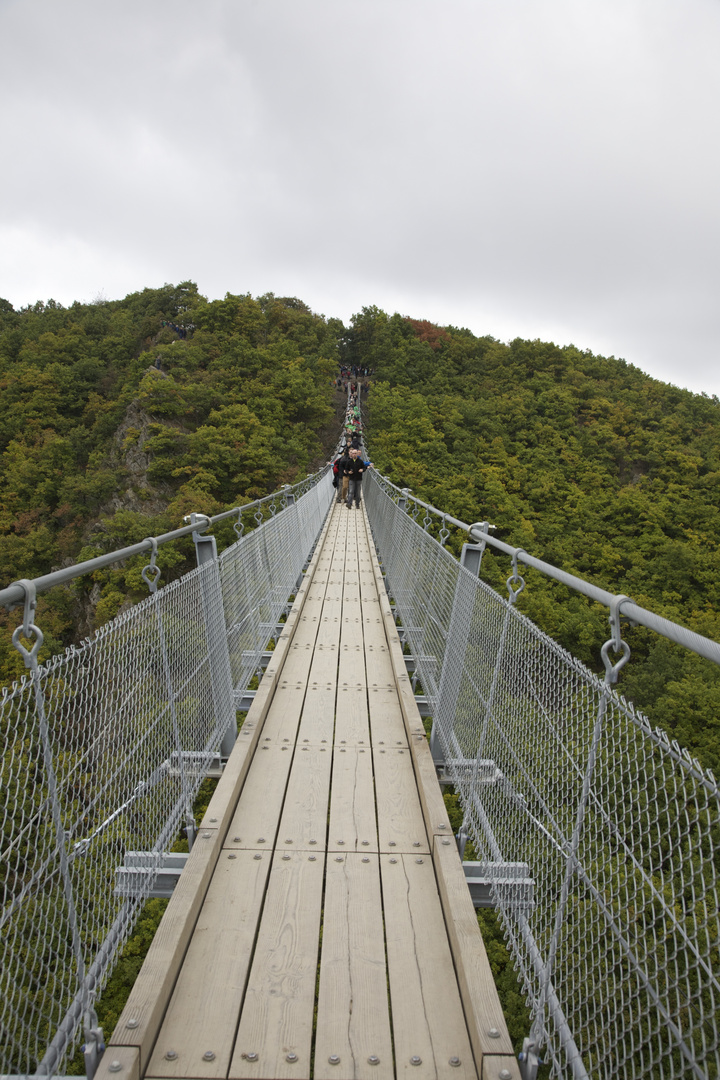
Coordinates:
<point>340,479</point>
<point>354,472</point>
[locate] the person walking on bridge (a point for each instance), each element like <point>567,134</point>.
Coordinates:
<point>340,474</point>
<point>354,472</point>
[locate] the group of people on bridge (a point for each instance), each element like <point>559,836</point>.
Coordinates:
<point>350,465</point>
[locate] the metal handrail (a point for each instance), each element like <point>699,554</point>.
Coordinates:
<point>618,604</point>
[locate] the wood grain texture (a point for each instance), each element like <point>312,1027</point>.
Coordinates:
<point>401,827</point>
<point>277,1015</point>
<point>151,991</point>
<point>303,825</point>
<point>353,824</point>
<point>127,1057</point>
<point>255,821</point>
<point>353,1021</point>
<point>500,1068</point>
<point>475,979</point>
<point>203,1013</point>
<point>427,1014</point>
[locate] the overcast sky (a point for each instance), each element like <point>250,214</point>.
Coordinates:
<point>532,168</point>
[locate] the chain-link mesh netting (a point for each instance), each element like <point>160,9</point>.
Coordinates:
<point>600,837</point>
<point>103,750</point>
<point>260,572</point>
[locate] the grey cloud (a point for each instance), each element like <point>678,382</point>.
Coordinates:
<point>522,169</point>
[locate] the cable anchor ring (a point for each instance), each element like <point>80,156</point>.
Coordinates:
<point>152,573</point>
<point>515,578</point>
<point>27,628</point>
<point>616,643</point>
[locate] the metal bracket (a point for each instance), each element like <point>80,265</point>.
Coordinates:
<point>94,1045</point>
<point>529,1060</point>
<point>139,867</point>
<point>514,878</point>
<point>449,772</point>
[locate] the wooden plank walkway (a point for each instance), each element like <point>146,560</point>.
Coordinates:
<point>322,926</point>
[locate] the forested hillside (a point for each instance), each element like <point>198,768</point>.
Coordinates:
<point>583,461</point>
<point>119,417</point>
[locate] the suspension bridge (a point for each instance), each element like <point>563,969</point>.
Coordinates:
<point>322,924</point>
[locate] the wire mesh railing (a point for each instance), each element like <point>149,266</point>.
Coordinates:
<point>599,836</point>
<point>103,751</point>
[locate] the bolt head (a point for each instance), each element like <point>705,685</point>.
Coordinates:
<point>115,1066</point>
<point>171,1055</point>
<point>455,1062</point>
<point>334,1059</point>
<point>291,1057</point>
<point>133,1023</point>
<point>252,1056</point>
<point>393,860</point>
<point>373,1060</point>
<point>494,1033</point>
<point>208,1056</point>
<point>258,856</point>
<point>261,839</point>
<point>415,1060</point>
<point>505,1074</point>
<point>206,835</point>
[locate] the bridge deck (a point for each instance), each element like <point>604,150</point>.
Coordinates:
<point>322,926</point>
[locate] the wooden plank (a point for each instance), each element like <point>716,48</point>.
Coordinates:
<point>387,727</point>
<point>353,825</point>
<point>352,727</point>
<point>500,1068</point>
<point>475,978</point>
<point>434,812</point>
<point>128,1060</point>
<point>151,992</point>
<point>353,1022</point>
<point>303,825</point>
<point>255,821</point>
<point>427,1015</point>
<point>203,1013</point>
<point>351,723</point>
<point>400,821</point>
<point>276,1022</point>
<point>386,720</point>
<point>140,1020</point>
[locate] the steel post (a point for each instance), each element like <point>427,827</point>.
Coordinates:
<point>219,656</point>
